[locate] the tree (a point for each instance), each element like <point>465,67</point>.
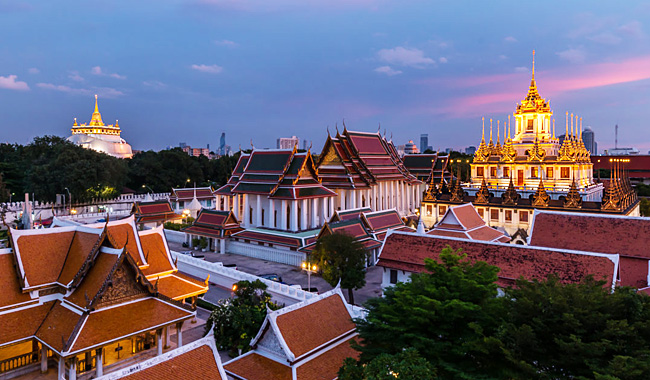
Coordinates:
<point>448,314</point>
<point>407,364</point>
<point>581,330</point>
<point>235,321</point>
<point>342,258</point>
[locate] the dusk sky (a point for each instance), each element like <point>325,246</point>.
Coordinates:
<point>186,71</point>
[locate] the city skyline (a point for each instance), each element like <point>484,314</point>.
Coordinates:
<point>252,69</point>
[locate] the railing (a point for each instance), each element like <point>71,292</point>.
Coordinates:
<point>276,255</point>
<point>18,361</point>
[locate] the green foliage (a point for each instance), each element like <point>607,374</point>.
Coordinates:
<point>341,258</point>
<point>464,164</point>
<point>642,189</point>
<point>578,330</point>
<point>644,207</point>
<point>236,321</point>
<point>447,314</point>
<point>407,365</point>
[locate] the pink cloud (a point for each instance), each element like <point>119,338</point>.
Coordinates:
<point>10,83</point>
<point>498,93</point>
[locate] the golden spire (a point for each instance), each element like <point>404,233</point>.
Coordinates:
<point>571,125</point>
<point>553,128</point>
<point>508,127</point>
<point>483,121</point>
<point>75,122</point>
<point>96,119</point>
<point>533,64</point>
<point>498,132</point>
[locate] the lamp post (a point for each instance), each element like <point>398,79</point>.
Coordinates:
<point>147,187</point>
<point>306,265</point>
<point>69,198</point>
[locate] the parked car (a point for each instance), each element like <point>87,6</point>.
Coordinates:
<point>232,266</point>
<point>198,255</point>
<point>271,276</point>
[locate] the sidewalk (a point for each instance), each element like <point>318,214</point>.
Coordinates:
<point>289,274</point>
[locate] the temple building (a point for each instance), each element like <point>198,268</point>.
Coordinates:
<point>365,171</point>
<point>531,170</point>
<point>84,299</point>
<point>100,137</point>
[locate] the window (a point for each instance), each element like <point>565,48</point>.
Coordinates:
<point>534,173</point>
<point>549,172</point>
<point>564,173</point>
<point>530,126</point>
<point>393,276</point>
<point>506,172</point>
<point>429,210</point>
<point>508,215</point>
<point>493,172</point>
<point>250,215</point>
<point>523,216</point>
<point>494,214</point>
<point>275,218</point>
<point>480,172</point>
<point>442,210</point>
<point>288,217</point>
<point>480,211</point>
<point>262,217</point>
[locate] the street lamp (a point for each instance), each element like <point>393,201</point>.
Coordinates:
<point>309,268</point>
<point>145,186</point>
<point>69,197</point>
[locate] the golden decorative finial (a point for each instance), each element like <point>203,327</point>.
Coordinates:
<point>96,119</point>
<point>490,131</point>
<point>483,121</point>
<point>117,124</point>
<point>508,127</point>
<point>553,128</point>
<point>566,133</point>
<point>498,132</point>
<point>571,125</point>
<point>533,64</point>
<point>75,122</point>
<point>581,128</point>
<point>96,107</point>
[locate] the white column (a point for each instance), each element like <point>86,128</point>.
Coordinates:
<point>407,192</point>
<point>61,374</point>
<point>258,211</point>
<point>323,209</point>
<point>331,212</point>
<point>294,216</point>
<point>272,222</point>
<point>401,196</point>
<point>167,338</point>
<point>43,359</point>
<point>247,211</point>
<point>342,200</point>
<point>159,342</point>
<point>222,245</point>
<point>283,215</point>
<point>179,334</point>
<point>374,198</point>
<point>304,219</point>
<point>72,374</point>
<point>314,213</point>
<point>99,362</point>
<point>353,198</point>
<point>235,208</point>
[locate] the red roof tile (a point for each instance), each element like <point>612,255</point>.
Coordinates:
<point>179,286</point>
<point>11,293</point>
<point>155,251</point>
<point>21,324</point>
<point>326,365</point>
<point>253,366</point>
<point>407,252</point>
<point>303,329</point>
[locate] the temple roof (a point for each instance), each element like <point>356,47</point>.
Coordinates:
<point>623,235</point>
<point>464,222</point>
<point>155,211</point>
<point>428,167</point>
<point>188,194</point>
<point>214,224</point>
<point>197,360</point>
<point>404,251</point>
<point>360,159</point>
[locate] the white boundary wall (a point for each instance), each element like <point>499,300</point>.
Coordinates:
<point>277,255</point>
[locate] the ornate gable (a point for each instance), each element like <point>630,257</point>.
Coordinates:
<point>125,283</point>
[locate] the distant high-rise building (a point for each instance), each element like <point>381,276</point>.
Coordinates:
<point>287,142</point>
<point>589,138</point>
<point>470,150</point>
<point>304,144</point>
<point>410,148</point>
<point>222,145</point>
<point>424,141</point>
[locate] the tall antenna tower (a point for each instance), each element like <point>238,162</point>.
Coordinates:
<point>616,136</point>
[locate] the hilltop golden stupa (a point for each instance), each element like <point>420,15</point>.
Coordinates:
<point>100,137</point>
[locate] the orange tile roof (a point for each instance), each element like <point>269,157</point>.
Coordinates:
<point>198,363</point>
<point>257,367</point>
<point>179,286</point>
<point>112,323</point>
<point>11,293</point>
<point>326,365</point>
<point>121,235</point>
<point>303,329</point>
<point>155,252</point>
<point>81,246</point>
<point>42,255</point>
<point>94,279</point>
<point>58,326</point>
<point>21,324</point>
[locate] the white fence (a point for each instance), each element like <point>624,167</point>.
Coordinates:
<point>175,236</point>
<point>276,255</point>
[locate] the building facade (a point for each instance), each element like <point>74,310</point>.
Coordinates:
<point>287,142</point>
<point>100,137</point>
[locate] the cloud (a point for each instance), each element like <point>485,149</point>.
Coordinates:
<point>262,6</point>
<point>227,43</point>
<point>97,70</point>
<point>521,69</point>
<point>33,70</point>
<point>606,38</point>
<point>211,69</point>
<point>387,70</point>
<point>105,92</point>
<point>510,39</point>
<point>157,85</point>
<point>633,29</point>
<point>573,55</point>
<point>74,75</point>
<point>10,83</point>
<point>442,60</point>
<point>405,57</point>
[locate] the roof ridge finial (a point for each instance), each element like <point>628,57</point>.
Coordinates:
<point>498,132</point>
<point>533,64</point>
<point>483,121</point>
<point>572,125</point>
<point>96,106</point>
<point>508,127</point>
<point>490,130</point>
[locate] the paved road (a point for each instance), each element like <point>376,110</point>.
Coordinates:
<point>289,274</point>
